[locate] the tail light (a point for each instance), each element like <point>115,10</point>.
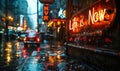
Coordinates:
<point>38,57</point>
<point>24,52</point>
<point>38,49</point>
<point>38,39</point>
<point>25,39</point>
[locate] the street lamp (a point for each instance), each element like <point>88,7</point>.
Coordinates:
<point>7,20</point>
<point>10,18</point>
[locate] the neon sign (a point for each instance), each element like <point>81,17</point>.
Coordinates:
<point>94,18</point>
<point>98,16</point>
<point>46,12</point>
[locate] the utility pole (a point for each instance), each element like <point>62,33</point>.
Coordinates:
<point>6,18</point>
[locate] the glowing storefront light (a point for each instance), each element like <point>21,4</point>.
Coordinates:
<point>93,17</point>
<point>46,12</point>
<point>96,17</point>
<point>58,56</point>
<point>8,59</point>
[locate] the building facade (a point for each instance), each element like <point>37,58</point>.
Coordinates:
<point>93,32</point>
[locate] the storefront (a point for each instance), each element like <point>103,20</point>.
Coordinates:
<point>94,34</point>
<point>56,27</point>
<point>93,25</point>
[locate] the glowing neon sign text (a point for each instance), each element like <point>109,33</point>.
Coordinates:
<point>96,16</point>
<point>93,17</point>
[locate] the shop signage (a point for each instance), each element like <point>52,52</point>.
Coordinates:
<point>46,12</point>
<point>96,17</point>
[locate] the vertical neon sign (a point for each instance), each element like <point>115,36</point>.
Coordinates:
<point>46,12</point>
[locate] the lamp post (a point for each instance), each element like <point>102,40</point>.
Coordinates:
<point>7,18</point>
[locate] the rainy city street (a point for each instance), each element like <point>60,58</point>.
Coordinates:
<point>59,35</point>
<point>53,59</point>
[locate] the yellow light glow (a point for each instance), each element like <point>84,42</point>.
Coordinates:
<point>8,49</point>
<point>58,30</point>
<point>50,23</point>
<point>8,58</point>
<point>52,59</point>
<point>58,56</point>
<point>17,55</point>
<point>58,52</point>
<point>58,22</point>
<point>17,44</point>
<point>9,44</point>
<point>10,18</point>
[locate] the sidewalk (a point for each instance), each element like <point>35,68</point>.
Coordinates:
<point>95,49</point>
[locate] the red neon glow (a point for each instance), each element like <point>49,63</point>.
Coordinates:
<point>38,49</point>
<point>46,11</point>
<point>94,17</point>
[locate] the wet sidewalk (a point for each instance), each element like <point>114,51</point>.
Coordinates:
<point>63,64</point>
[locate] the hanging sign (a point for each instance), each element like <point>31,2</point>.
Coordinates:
<point>46,12</point>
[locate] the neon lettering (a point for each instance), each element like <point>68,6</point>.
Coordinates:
<point>70,25</point>
<point>45,18</point>
<point>77,22</point>
<point>96,16</point>
<point>46,12</point>
<point>81,23</point>
<point>102,14</point>
<point>74,25</point>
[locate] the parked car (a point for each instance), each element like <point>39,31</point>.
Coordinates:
<point>31,41</point>
<point>32,37</point>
